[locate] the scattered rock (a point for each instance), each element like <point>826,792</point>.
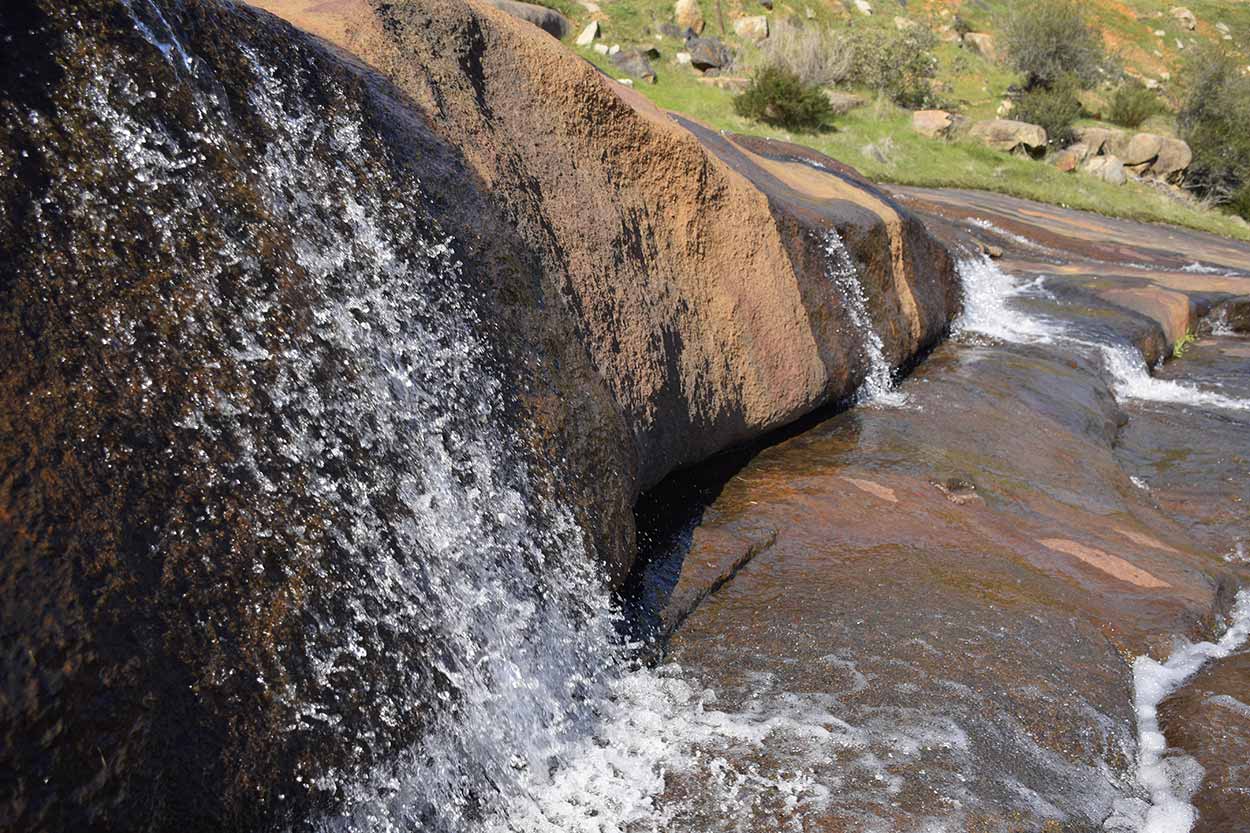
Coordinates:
<point>688,15</point>
<point>549,20</point>
<point>709,53</point>
<point>932,124</point>
<point>672,30</point>
<point>863,7</point>
<point>682,58</point>
<point>1010,136</point>
<point>1237,314</point>
<point>601,48</point>
<point>982,43</point>
<point>1141,148</point>
<point>1071,157</point>
<point>588,35</point>
<point>1097,138</point>
<point>843,102</point>
<point>1173,159</point>
<point>1107,168</point>
<point>752,28</point>
<point>1184,17</point>
<point>614,49</point>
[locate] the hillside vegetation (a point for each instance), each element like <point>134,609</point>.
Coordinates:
<point>957,56</point>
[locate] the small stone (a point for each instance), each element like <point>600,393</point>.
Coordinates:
<point>588,35</point>
<point>602,49</point>
<point>682,58</point>
<point>1184,17</point>
<point>614,49</point>
<point>863,7</point>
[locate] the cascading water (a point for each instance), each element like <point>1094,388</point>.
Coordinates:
<point>878,387</point>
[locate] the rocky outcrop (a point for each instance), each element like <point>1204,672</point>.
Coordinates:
<point>1145,154</point>
<point>1010,136</point>
<point>285,327</point>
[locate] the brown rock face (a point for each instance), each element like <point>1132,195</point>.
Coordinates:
<point>271,314</point>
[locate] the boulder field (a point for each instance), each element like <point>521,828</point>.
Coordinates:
<point>285,316</point>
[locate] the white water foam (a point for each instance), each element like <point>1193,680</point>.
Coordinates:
<point>988,311</point>
<point>878,387</point>
<point>1132,380</point>
<point>1171,779</point>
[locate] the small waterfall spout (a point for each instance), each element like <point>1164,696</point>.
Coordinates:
<point>878,387</point>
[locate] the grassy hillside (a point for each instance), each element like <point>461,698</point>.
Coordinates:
<point>878,138</point>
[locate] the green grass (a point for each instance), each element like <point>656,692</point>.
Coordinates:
<point>967,83</point>
<point>915,160</point>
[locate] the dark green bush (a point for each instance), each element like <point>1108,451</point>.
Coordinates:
<point>897,65</point>
<point>1240,202</point>
<point>1215,120</point>
<point>1047,40</point>
<point>779,97</point>
<point>1055,108</point>
<point>1132,104</point>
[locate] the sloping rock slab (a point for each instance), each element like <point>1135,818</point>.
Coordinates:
<point>201,455</point>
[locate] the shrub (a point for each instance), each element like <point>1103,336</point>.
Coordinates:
<point>897,65</point>
<point>1239,204</point>
<point>777,96</point>
<point>1215,120</point>
<point>1132,104</point>
<point>1047,40</point>
<point>816,55</point>
<point>1055,108</point>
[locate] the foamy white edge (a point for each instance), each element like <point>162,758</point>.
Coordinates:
<point>1171,779</point>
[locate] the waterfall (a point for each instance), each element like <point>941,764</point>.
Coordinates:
<point>878,387</point>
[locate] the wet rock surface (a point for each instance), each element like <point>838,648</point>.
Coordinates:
<point>965,579</point>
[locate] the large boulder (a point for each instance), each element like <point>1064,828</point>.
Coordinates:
<point>982,43</point>
<point>709,53</point>
<point>932,124</point>
<point>1070,158</point>
<point>304,345</point>
<point>549,20</point>
<point>1138,148</point>
<point>1173,159</point>
<point>1099,139</point>
<point>754,28</point>
<point>688,15</point>
<point>1009,135</point>
<point>635,64</point>
<point>1184,17</point>
<point>1107,168</point>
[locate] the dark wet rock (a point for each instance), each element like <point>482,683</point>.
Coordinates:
<point>634,63</point>
<point>1237,314</point>
<point>709,54</point>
